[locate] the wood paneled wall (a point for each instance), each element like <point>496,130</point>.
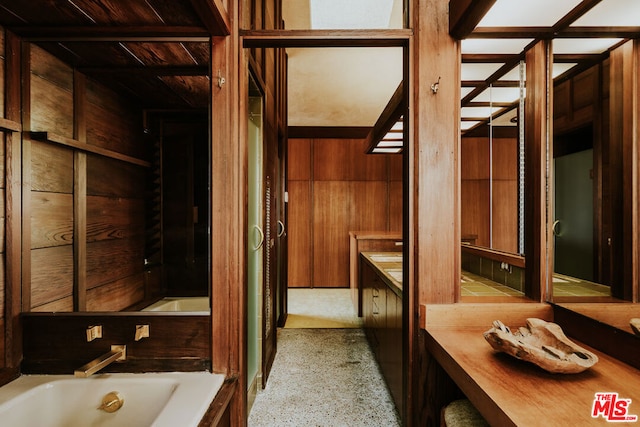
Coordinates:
<point>84,213</point>
<point>491,215</point>
<point>334,188</point>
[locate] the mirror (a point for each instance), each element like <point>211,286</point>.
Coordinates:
<point>586,177</point>
<point>118,197</point>
<point>180,247</point>
<point>492,177</point>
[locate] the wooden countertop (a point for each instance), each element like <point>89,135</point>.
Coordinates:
<point>389,265</point>
<point>511,392</point>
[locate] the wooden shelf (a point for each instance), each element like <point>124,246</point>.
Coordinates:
<point>77,145</point>
<point>9,126</point>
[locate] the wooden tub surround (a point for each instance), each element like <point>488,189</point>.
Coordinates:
<point>511,392</point>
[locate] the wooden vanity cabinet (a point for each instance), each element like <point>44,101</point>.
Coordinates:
<point>382,320</point>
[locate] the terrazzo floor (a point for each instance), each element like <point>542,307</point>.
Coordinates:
<point>323,377</point>
<point>321,308</point>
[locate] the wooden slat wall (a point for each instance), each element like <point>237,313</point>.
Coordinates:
<point>49,197</point>
<point>110,267</point>
<point>335,188</point>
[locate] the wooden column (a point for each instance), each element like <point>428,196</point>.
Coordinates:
<point>13,205</point>
<point>79,195</point>
<point>436,144</point>
<point>623,152</point>
<point>537,147</point>
<point>25,65</point>
<point>228,213</point>
<point>432,191</point>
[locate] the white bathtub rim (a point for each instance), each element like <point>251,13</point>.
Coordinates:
<point>186,407</point>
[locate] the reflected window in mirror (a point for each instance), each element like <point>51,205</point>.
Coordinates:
<point>492,178</point>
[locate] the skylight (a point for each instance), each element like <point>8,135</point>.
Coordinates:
<point>350,14</point>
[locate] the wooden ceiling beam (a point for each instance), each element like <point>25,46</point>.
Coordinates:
<point>325,38</point>
<point>214,16</point>
<point>85,34</point>
<point>549,33</point>
<point>464,16</point>
<point>468,58</point>
<point>577,12</point>
<point>391,114</point>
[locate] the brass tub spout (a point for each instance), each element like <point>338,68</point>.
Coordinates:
<point>117,353</point>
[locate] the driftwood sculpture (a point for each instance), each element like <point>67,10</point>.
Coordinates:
<point>542,343</point>
<point>635,325</point>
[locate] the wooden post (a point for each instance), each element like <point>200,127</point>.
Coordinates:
<point>13,202</point>
<point>432,189</point>
<point>228,213</point>
<point>537,147</point>
<point>623,154</point>
<point>79,195</point>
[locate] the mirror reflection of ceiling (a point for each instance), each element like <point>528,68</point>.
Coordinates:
<point>341,86</point>
<point>583,31</point>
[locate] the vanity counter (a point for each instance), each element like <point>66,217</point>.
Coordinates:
<point>381,285</point>
<point>511,392</point>
<point>389,267</point>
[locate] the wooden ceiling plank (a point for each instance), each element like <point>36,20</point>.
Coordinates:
<point>113,33</point>
<point>195,70</point>
<point>131,12</point>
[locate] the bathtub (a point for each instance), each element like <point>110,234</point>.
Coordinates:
<point>147,400</point>
<point>196,304</point>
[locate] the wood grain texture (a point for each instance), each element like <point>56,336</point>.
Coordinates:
<point>338,189</point>
<point>51,94</point>
<point>435,167</point>
<point>345,160</point>
<point>505,216</point>
<point>51,274</point>
<point>538,107</point>
<point>474,210</point>
<point>110,260</point>
<point>395,205</point>
<point>299,161</point>
<point>13,200</point>
<point>2,156</point>
<point>300,234</point>
<point>51,168</point>
<point>339,207</point>
<point>2,222</point>
<point>112,123</point>
<point>624,101</point>
<point>107,177</point>
<point>56,344</point>
<point>116,295</point>
<point>114,218</point>
<point>51,219</point>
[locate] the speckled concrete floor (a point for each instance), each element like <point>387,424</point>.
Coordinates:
<point>324,377</point>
